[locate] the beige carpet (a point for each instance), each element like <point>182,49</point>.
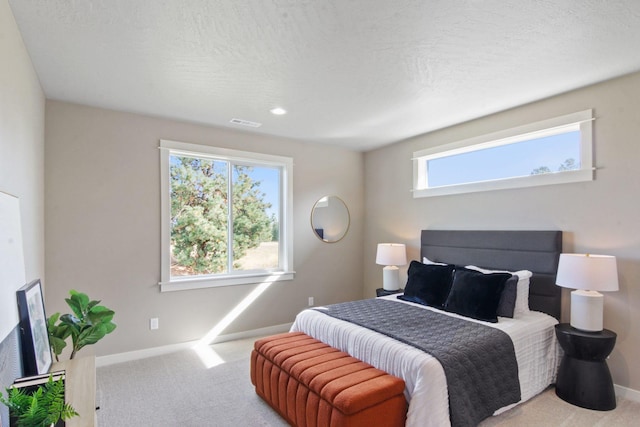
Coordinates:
<point>177,389</point>
<point>547,409</point>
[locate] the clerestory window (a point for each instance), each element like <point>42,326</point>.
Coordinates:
<point>552,151</point>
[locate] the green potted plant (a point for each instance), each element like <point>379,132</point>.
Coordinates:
<point>43,407</point>
<point>88,324</point>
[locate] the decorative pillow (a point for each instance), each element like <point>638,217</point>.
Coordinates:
<point>507,304</point>
<point>522,297</point>
<point>428,284</point>
<point>475,294</point>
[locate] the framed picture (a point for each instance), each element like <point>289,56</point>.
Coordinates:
<point>36,353</point>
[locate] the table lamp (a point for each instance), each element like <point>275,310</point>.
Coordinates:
<point>391,255</point>
<point>587,274</point>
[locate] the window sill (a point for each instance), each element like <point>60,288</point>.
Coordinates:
<point>209,282</point>
<point>509,183</point>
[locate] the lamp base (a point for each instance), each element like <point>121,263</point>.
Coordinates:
<point>391,278</point>
<point>587,310</point>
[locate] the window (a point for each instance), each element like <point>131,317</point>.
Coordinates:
<point>552,151</point>
<point>226,217</point>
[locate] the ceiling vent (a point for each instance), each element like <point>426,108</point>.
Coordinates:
<point>245,123</point>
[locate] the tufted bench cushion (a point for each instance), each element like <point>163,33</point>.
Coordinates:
<point>312,384</point>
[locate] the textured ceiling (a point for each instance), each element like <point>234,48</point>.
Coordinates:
<point>359,73</point>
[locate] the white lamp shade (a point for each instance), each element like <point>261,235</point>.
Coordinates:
<point>588,272</point>
<point>391,254</point>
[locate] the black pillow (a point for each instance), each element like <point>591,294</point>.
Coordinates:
<point>428,284</point>
<point>508,298</point>
<point>476,295</point>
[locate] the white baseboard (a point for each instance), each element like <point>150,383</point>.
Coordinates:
<point>171,348</point>
<point>269,330</point>
<point>627,393</point>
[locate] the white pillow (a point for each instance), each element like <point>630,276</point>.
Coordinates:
<point>522,288</point>
<point>426,260</point>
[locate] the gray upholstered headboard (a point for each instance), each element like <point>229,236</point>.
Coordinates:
<point>537,251</point>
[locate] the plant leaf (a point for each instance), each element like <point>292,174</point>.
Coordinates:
<point>75,306</point>
<point>100,314</point>
<point>92,304</point>
<point>109,327</point>
<point>57,345</point>
<point>72,322</point>
<point>89,336</point>
<point>81,299</point>
<point>51,321</point>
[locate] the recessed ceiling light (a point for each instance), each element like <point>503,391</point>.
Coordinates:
<point>278,111</point>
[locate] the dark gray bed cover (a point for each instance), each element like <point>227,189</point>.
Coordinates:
<point>479,361</point>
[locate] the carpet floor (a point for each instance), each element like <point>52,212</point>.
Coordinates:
<point>178,390</point>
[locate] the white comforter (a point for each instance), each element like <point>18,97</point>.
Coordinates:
<point>533,338</point>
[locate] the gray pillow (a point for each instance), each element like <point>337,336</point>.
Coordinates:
<point>507,302</point>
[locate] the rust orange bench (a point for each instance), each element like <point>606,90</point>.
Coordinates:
<point>311,384</point>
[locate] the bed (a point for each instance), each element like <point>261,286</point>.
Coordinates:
<point>531,330</point>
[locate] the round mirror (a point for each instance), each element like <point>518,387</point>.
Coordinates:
<point>330,219</point>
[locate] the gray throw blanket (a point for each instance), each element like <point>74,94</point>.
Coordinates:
<point>479,361</point>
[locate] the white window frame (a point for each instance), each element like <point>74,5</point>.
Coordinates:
<point>581,120</point>
<point>286,272</point>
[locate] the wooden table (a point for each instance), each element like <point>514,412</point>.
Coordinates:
<point>80,389</point>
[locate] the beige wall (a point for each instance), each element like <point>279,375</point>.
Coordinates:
<point>102,223</point>
<point>103,226</point>
<point>598,217</point>
<point>22,139</point>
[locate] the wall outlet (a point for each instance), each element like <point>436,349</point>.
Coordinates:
<point>311,301</point>
<point>153,323</point>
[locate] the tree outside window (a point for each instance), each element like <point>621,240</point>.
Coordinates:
<point>206,237</point>
<point>226,217</point>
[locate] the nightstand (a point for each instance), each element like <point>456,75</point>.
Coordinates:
<point>584,378</point>
<point>381,292</point>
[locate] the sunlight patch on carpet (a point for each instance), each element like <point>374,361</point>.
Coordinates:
<point>206,353</point>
